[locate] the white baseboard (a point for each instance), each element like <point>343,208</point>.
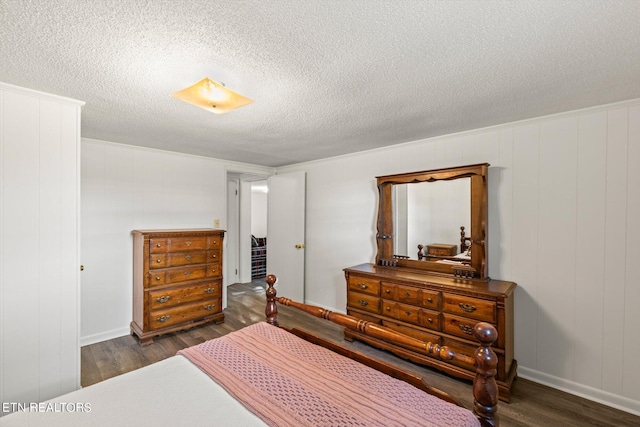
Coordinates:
<point>615,401</point>
<point>104,336</point>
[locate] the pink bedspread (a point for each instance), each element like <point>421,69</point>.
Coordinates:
<point>287,381</point>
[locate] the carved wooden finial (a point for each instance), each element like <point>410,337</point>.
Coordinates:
<point>271,310</point>
<point>485,388</point>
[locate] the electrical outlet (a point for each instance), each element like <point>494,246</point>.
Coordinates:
<point>216,223</point>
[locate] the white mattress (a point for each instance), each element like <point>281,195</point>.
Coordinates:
<point>173,392</point>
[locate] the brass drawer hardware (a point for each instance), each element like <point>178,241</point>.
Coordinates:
<point>163,319</point>
<point>163,299</point>
<point>362,286</point>
<point>467,307</point>
<point>188,257</point>
<point>467,329</point>
<point>210,307</point>
<point>363,302</point>
<point>209,290</point>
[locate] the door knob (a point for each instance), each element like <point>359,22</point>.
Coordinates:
<point>300,246</point>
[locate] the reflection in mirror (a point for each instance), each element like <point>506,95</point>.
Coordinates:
<point>431,213</point>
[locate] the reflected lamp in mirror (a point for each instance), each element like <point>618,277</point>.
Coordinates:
<point>212,96</point>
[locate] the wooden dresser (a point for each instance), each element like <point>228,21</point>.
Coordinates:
<point>442,310</point>
<point>177,280</point>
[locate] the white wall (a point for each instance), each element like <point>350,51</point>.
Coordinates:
<point>126,188</point>
<point>564,203</point>
<point>39,237</point>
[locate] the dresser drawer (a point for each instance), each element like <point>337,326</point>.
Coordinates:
<point>157,245</point>
<point>363,302</point>
<point>183,313</point>
<point>177,259</point>
<point>430,319</point>
<point>180,244</point>
<point>431,299</point>
<point>214,255</point>
<point>459,326</point>
<point>215,242</point>
<point>408,295</point>
<point>407,313</point>
<point>214,270</point>
<point>470,307</point>
<point>157,278</point>
<point>364,285</point>
<point>169,298</point>
<point>183,274</point>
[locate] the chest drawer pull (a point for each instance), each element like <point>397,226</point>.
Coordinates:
<point>408,313</point>
<point>407,294</point>
<point>362,286</point>
<point>157,277</point>
<point>430,320</point>
<point>158,261</point>
<point>158,245</point>
<point>163,319</point>
<point>187,273</point>
<point>430,299</point>
<point>363,302</point>
<point>209,307</point>
<point>388,308</point>
<point>209,290</point>
<point>387,291</point>
<point>188,243</point>
<point>467,329</point>
<point>188,257</point>
<point>163,299</point>
<point>214,256</point>
<point>467,307</point>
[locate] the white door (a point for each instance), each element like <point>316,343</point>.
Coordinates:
<point>285,224</point>
<point>231,238</point>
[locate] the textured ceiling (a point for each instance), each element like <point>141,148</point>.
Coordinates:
<point>327,77</point>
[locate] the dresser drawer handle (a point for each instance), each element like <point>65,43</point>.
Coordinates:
<point>187,273</point>
<point>388,308</point>
<point>163,299</point>
<point>188,243</point>
<point>362,286</point>
<point>363,302</point>
<point>388,291</point>
<point>214,256</point>
<point>188,257</point>
<point>408,313</point>
<point>467,329</point>
<point>209,290</point>
<point>467,307</point>
<point>213,270</point>
<point>158,260</point>
<point>407,294</point>
<point>157,277</point>
<point>158,245</point>
<point>163,319</point>
<point>209,307</point>
<point>430,299</point>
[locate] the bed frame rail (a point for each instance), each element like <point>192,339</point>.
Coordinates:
<point>485,388</point>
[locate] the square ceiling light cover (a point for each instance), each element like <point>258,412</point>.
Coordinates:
<point>212,96</point>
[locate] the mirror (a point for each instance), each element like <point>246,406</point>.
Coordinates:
<point>430,214</point>
<point>420,220</point>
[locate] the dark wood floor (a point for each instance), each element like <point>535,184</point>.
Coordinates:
<point>532,404</point>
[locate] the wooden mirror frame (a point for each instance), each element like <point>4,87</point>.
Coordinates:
<point>385,239</point>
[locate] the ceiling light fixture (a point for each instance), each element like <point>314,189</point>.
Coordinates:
<point>212,96</point>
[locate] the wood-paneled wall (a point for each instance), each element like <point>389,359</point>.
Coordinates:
<point>39,252</point>
<point>564,209</point>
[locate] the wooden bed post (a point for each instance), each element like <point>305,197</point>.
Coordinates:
<point>271,311</point>
<point>485,388</point>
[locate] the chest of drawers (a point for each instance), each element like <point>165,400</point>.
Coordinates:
<point>177,280</point>
<point>433,308</point>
